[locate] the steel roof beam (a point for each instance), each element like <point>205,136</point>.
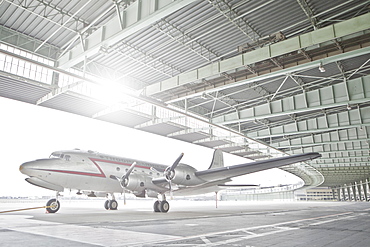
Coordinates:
<point>253,82</point>
<point>68,45</point>
<point>343,120</point>
<point>345,157</point>
<point>341,94</point>
<point>147,60</point>
<point>317,143</point>
<point>302,86</point>
<point>308,12</point>
<point>61,12</point>
<point>27,43</point>
<point>111,33</point>
<point>30,10</point>
<point>56,31</point>
<point>331,151</point>
<point>329,33</point>
<point>318,165</point>
<point>226,10</point>
<point>167,28</point>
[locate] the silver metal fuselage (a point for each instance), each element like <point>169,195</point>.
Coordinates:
<point>87,171</point>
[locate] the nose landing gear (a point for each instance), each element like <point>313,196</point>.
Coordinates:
<point>53,205</point>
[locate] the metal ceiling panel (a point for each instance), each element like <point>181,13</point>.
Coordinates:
<point>73,103</point>
<point>21,90</point>
<point>162,129</point>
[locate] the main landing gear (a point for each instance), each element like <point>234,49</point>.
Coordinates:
<point>111,204</point>
<point>161,206</point>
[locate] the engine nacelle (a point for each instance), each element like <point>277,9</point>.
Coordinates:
<point>137,182</point>
<point>185,175</point>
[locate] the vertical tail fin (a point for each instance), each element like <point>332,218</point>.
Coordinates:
<point>218,159</point>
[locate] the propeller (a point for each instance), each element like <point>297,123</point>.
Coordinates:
<point>124,179</point>
<point>169,173</point>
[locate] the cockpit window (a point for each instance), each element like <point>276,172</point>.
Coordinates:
<point>60,156</point>
<point>55,155</point>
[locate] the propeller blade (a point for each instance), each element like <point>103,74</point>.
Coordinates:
<point>177,161</point>
<point>169,173</point>
<point>129,171</point>
<point>124,179</point>
<point>154,170</point>
<point>115,178</point>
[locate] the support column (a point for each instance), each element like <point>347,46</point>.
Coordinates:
<point>364,187</point>
<point>333,192</point>
<point>353,185</point>
<point>344,194</point>
<point>360,194</point>
<point>349,192</point>
<point>338,192</point>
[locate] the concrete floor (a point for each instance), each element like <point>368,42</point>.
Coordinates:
<point>188,223</point>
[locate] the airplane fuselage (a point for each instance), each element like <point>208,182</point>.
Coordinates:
<point>89,171</point>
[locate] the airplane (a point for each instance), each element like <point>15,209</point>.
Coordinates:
<point>101,175</point>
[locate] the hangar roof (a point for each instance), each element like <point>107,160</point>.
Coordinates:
<point>253,78</point>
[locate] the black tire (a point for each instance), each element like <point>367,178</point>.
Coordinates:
<point>164,206</point>
<point>53,206</point>
<point>156,206</point>
<point>113,205</point>
<point>106,204</point>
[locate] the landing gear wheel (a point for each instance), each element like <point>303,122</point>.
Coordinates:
<point>53,206</point>
<point>106,204</point>
<point>164,206</point>
<point>113,205</point>
<point>156,206</point>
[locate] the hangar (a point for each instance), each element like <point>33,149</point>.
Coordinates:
<point>258,79</point>
<point>254,78</point>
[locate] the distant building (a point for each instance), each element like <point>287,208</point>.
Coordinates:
<point>315,194</point>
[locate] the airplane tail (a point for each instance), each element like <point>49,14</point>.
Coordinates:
<point>218,159</point>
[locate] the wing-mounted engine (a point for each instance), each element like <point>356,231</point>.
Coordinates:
<point>137,183</point>
<point>185,175</point>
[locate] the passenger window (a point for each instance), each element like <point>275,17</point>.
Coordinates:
<point>67,157</point>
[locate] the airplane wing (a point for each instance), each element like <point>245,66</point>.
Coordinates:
<point>243,169</point>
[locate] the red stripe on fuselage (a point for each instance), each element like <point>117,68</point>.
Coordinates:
<point>94,160</point>
<point>102,175</point>
<point>116,163</point>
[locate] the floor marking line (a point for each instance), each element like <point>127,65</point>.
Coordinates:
<point>266,226</point>
<point>234,240</point>
<point>277,225</point>
<point>86,234</point>
<point>332,220</point>
<point>205,240</point>
<point>249,232</point>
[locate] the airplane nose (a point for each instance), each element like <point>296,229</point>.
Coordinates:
<point>25,167</point>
